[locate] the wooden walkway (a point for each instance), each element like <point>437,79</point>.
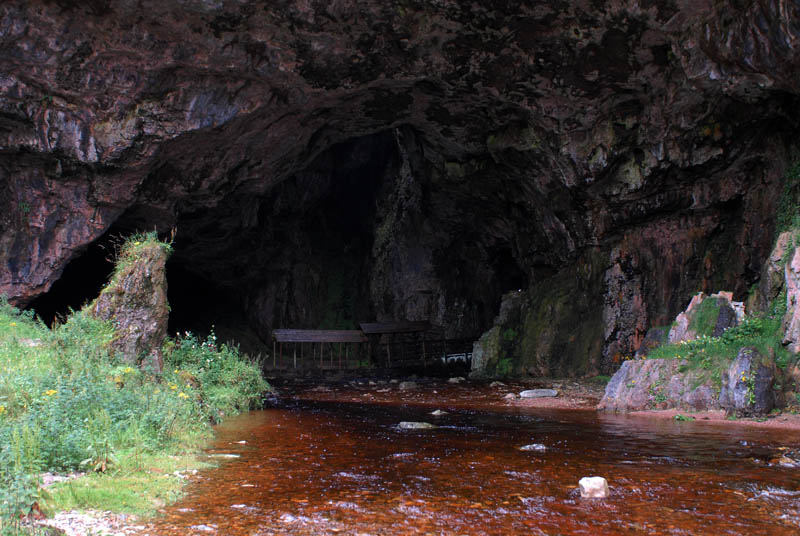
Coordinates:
<point>376,345</point>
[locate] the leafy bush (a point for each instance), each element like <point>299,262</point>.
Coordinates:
<point>67,403</point>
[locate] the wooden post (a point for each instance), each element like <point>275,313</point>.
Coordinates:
<point>273,354</point>
<point>295,355</point>
<point>340,356</point>
<point>320,354</point>
<point>424,361</point>
<point>301,355</point>
<point>347,357</point>
<point>389,350</point>
<point>280,351</point>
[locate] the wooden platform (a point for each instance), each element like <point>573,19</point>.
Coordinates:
<point>318,335</point>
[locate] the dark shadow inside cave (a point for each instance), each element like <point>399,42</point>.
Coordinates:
<point>81,281</point>
<point>307,252</point>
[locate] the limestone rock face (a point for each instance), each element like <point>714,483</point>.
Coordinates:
<point>325,162</point>
<point>747,385</point>
<point>791,321</point>
<point>136,302</point>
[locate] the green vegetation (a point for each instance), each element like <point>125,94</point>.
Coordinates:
<point>683,418</point>
<point>705,318</point>
<point>68,404</point>
<point>709,355</point>
<point>601,379</point>
<point>788,212</point>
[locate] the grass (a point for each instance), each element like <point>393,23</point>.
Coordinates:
<point>132,487</point>
<point>705,318</point>
<point>68,403</point>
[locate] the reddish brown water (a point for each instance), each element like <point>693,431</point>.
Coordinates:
<point>342,466</point>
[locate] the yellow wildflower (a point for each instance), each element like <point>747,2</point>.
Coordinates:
<point>13,324</point>
<point>2,409</point>
<point>117,379</point>
<point>173,386</point>
<point>127,370</point>
<point>182,395</point>
<point>50,392</point>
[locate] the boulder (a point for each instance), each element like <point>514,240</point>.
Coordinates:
<point>747,385</point>
<point>656,384</point>
<point>135,300</point>
<point>538,393</point>
<point>727,314</point>
<point>593,487</point>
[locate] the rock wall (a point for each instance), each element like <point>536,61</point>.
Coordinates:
<point>610,158</point>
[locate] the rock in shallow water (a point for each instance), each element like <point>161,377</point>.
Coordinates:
<point>593,487</point>
<point>438,413</point>
<point>535,447</point>
<point>411,425</point>
<point>404,386</point>
<point>538,393</point>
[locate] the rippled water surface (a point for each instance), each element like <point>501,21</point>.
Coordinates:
<point>338,464</point>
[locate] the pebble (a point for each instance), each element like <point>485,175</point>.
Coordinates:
<point>455,379</point>
<point>510,396</point>
<point>593,487</point>
<point>538,393</point>
<point>536,447</point>
<point>497,384</point>
<point>404,386</point>
<point>438,412</point>
<point>411,425</point>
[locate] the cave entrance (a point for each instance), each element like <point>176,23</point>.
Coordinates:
<point>81,281</point>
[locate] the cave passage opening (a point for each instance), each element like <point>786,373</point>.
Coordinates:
<point>364,232</point>
<point>81,281</point>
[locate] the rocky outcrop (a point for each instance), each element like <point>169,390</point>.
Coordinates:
<point>706,315</point>
<point>748,385</point>
<point>327,162</point>
<point>657,384</point>
<point>746,388</point>
<point>492,354</point>
<point>135,300</point>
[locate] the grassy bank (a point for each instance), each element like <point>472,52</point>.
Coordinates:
<point>67,404</point>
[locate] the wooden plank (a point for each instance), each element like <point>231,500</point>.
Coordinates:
<point>318,335</point>
<point>375,328</point>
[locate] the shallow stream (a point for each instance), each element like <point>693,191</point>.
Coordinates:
<point>335,462</point>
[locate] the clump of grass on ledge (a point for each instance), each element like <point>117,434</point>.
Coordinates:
<point>710,355</point>
<point>67,404</point>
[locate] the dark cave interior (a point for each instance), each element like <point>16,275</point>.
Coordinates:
<point>350,237</point>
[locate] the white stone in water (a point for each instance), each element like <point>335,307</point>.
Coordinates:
<point>411,425</point>
<point>538,393</point>
<point>224,456</point>
<point>407,385</point>
<point>593,487</point>
<point>536,447</point>
<point>456,379</point>
<point>510,396</point>
<point>438,412</point>
<point>497,384</point>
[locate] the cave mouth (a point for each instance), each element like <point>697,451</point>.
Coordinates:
<point>364,232</point>
<point>81,281</point>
